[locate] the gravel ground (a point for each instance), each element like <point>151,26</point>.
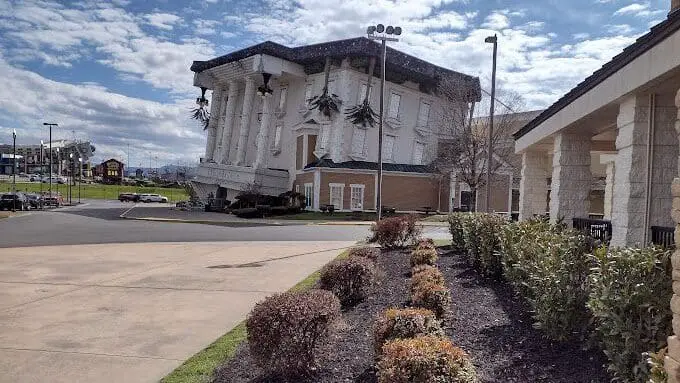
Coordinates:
<point>487,321</point>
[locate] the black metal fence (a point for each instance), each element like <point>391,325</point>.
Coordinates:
<point>596,228</point>
<point>663,236</point>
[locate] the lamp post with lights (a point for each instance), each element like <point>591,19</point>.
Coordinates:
<point>42,165</point>
<point>491,40</point>
<point>80,175</point>
<point>50,126</point>
<point>14,170</point>
<point>379,32</point>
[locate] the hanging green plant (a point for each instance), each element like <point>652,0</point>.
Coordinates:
<point>201,113</point>
<point>326,103</point>
<point>362,114</point>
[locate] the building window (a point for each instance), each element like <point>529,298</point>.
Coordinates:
<point>357,197</point>
<point>337,194</point>
<point>358,141</point>
<point>308,93</point>
<point>393,110</point>
<point>388,147</point>
<point>418,153</point>
<point>282,98</point>
<point>362,93</point>
<point>276,144</point>
<point>325,136</point>
<point>423,114</point>
<point>309,195</point>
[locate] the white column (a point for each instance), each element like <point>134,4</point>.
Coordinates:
<point>263,134</point>
<point>342,84</point>
<point>219,125</point>
<point>672,361</point>
<point>228,122</point>
<point>630,172</point>
<point>610,161</point>
<point>571,178</point>
<point>246,112</point>
<point>210,144</point>
<point>533,186</point>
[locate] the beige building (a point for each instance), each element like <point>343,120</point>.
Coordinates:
<point>280,143</point>
<point>620,124</point>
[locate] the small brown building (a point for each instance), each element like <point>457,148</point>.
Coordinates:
<point>111,171</point>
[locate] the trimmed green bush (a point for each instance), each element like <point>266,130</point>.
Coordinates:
<point>427,243</point>
<point>349,279</point>
<point>419,268</point>
<point>424,257</point>
<point>395,232</point>
<point>285,329</point>
<point>425,359</point>
<point>430,275</point>
<point>432,296</point>
<point>372,253</point>
<point>629,298</point>
<point>404,323</point>
<point>481,235</point>
<point>456,222</point>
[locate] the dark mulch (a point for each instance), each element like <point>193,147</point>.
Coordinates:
<point>487,321</point>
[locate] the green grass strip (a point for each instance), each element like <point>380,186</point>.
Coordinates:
<point>200,367</point>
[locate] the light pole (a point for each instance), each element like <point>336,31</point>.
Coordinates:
<point>491,40</point>
<point>50,125</point>
<point>80,175</point>
<point>58,171</point>
<point>42,164</point>
<point>14,169</point>
<point>371,32</point>
<point>70,180</point>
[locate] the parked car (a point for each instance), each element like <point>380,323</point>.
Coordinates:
<point>152,198</point>
<point>55,180</point>
<point>15,201</point>
<point>33,200</point>
<point>35,178</point>
<point>128,197</point>
<point>52,201</point>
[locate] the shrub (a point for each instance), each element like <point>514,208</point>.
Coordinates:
<point>630,292</point>
<point>349,279</point>
<point>430,275</point>
<point>424,360</point>
<point>427,243</point>
<point>456,222</point>
<point>285,329</point>
<point>395,232</point>
<point>424,257</point>
<point>481,234</point>
<point>432,297</point>
<point>367,252</point>
<point>419,268</point>
<point>404,323</point>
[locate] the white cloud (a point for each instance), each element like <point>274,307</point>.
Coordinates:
<point>164,21</point>
<point>496,21</point>
<point>638,10</point>
<point>621,29</point>
<point>205,27</point>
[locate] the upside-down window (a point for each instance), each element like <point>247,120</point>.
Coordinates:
<point>418,153</point>
<point>357,196</point>
<point>388,147</point>
<point>276,143</point>
<point>309,195</point>
<point>395,103</point>
<point>282,98</point>
<point>358,141</point>
<point>423,114</point>
<point>337,195</point>
<point>308,93</point>
<point>362,93</point>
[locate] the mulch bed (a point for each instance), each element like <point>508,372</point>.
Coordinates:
<point>492,325</point>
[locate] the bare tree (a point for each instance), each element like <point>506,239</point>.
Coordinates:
<point>463,134</point>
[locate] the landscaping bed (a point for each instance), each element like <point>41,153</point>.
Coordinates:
<point>487,321</point>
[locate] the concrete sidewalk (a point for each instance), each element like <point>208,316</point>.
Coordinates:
<point>134,312</point>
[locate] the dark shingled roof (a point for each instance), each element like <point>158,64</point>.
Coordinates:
<point>365,165</point>
<point>657,34</point>
<point>398,62</point>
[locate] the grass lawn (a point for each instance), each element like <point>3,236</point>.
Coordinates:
<point>96,191</point>
<point>199,368</point>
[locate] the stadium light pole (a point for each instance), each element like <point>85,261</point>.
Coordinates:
<point>50,125</point>
<point>380,33</point>
<point>491,40</point>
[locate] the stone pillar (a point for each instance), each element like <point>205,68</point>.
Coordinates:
<point>672,361</point>
<point>571,178</point>
<point>219,124</point>
<point>228,122</point>
<point>263,134</point>
<point>246,112</point>
<point>609,161</point>
<point>664,160</point>
<point>630,172</point>
<point>212,125</point>
<point>533,186</point>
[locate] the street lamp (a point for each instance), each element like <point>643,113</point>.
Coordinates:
<point>80,175</point>
<point>51,125</point>
<point>383,38</point>
<point>14,170</point>
<point>491,40</point>
<point>70,183</point>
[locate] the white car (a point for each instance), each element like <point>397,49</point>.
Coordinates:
<point>152,198</point>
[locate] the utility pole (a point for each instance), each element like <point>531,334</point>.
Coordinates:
<point>14,170</point>
<point>491,40</point>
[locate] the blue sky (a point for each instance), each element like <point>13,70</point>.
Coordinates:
<point>117,72</point>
